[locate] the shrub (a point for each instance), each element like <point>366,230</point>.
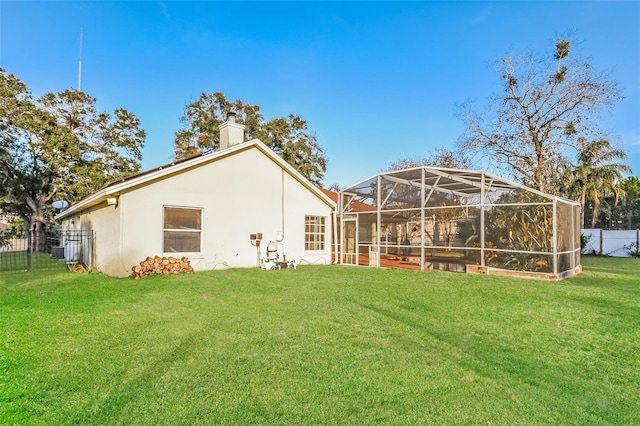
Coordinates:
<point>634,249</point>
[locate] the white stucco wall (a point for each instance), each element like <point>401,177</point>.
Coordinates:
<point>107,219</point>
<point>100,253</point>
<point>239,195</point>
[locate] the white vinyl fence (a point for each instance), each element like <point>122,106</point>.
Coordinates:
<point>13,244</point>
<point>611,243</point>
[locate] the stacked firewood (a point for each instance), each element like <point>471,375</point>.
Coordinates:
<point>161,265</point>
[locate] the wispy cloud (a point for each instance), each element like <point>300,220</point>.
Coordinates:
<point>630,139</point>
<point>481,17</point>
<point>164,9</point>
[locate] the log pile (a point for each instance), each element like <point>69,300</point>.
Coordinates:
<point>161,265</point>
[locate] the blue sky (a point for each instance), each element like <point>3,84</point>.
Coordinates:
<point>376,81</point>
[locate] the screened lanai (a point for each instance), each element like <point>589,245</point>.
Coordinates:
<point>458,220</point>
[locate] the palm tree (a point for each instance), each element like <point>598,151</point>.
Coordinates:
<point>631,205</point>
<point>597,174</point>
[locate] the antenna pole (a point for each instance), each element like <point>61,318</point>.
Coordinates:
<point>80,62</point>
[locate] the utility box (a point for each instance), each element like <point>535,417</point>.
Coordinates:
<point>57,253</point>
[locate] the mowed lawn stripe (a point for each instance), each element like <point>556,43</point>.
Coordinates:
<point>323,345</point>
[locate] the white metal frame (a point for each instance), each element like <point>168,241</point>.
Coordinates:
<point>366,197</point>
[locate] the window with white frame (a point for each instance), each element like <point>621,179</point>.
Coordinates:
<point>314,232</point>
<point>182,229</point>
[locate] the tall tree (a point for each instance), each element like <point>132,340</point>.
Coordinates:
<point>598,173</point>
<point>58,145</point>
<point>288,136</point>
<point>24,134</point>
<point>105,148</point>
<point>545,106</point>
<point>629,211</point>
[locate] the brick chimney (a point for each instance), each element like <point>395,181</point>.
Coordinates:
<point>231,133</point>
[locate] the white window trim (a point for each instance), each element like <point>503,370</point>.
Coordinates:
<point>323,233</point>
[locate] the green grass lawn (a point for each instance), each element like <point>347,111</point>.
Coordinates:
<point>321,345</point>
<point>21,261</point>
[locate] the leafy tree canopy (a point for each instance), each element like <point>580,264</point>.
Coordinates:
<point>59,145</point>
<point>288,136</point>
<point>598,172</point>
<point>630,208</point>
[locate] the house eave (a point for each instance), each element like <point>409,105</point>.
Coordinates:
<point>165,171</point>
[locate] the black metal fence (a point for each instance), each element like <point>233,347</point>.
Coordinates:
<point>46,250</point>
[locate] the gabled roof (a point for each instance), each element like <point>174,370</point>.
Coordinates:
<point>329,193</point>
<point>164,172</point>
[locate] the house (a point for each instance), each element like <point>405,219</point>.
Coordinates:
<point>220,210</point>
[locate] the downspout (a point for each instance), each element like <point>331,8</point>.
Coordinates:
<point>120,249</point>
<point>282,202</point>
